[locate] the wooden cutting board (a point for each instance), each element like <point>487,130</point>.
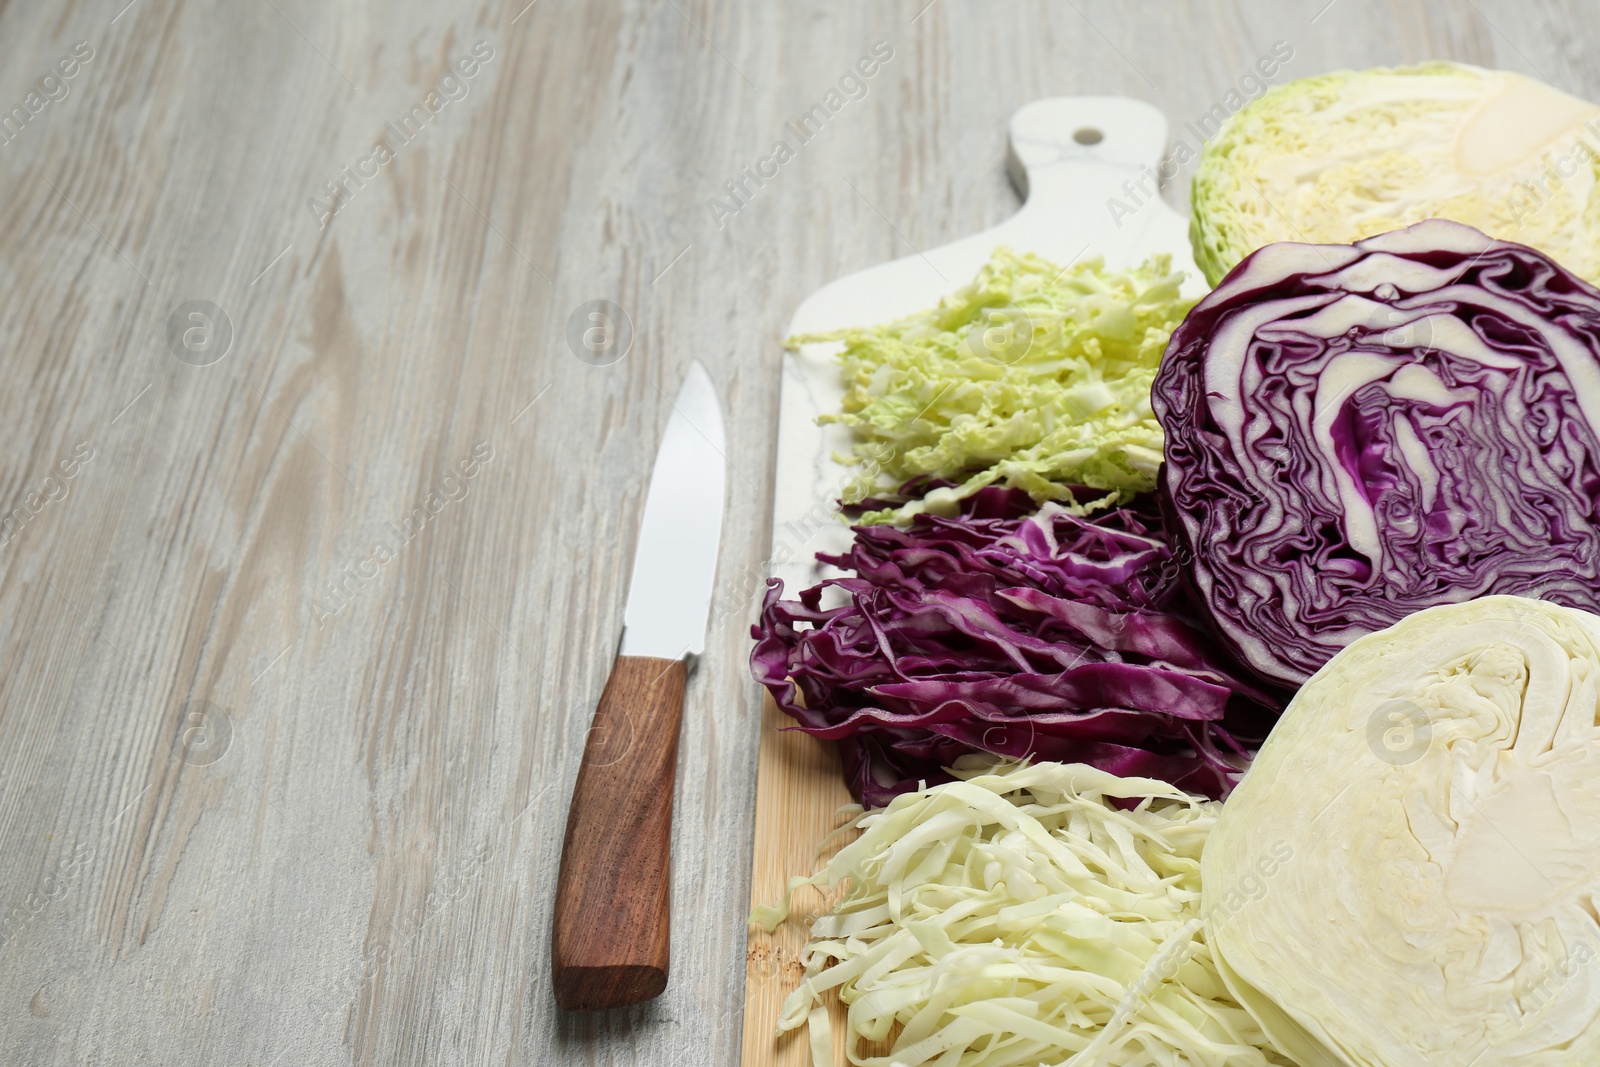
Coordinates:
<point>1079,163</point>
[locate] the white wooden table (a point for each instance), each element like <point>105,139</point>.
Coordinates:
<point>305,603</point>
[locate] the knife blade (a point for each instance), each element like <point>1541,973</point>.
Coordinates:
<point>611,931</point>
<point>669,595</point>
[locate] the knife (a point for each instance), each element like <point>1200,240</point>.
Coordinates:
<point>609,946</point>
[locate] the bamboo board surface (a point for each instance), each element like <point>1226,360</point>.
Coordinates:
<point>799,790</point>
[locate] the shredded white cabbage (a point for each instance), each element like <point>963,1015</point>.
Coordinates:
<point>1020,917</point>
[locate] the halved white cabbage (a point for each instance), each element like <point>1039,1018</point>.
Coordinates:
<point>1342,156</point>
<point>1439,784</point>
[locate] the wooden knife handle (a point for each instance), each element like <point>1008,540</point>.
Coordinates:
<point>613,895</point>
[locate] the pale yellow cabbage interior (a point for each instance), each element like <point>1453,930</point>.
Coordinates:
<point>1440,784</point>
<point>1338,157</point>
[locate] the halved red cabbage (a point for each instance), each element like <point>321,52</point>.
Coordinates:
<point>1052,636</point>
<point>1355,432</point>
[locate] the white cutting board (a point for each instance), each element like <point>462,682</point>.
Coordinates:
<point>1066,186</point>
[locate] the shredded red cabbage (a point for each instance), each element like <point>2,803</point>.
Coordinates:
<point>1050,636</point>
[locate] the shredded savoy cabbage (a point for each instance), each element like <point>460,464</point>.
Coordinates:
<point>1022,916</point>
<point>1034,377</point>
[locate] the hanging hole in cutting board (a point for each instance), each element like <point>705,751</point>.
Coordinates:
<point>1088,135</point>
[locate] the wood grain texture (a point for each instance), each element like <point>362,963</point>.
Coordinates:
<point>290,704</point>
<point>800,799</point>
<point>610,942</point>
